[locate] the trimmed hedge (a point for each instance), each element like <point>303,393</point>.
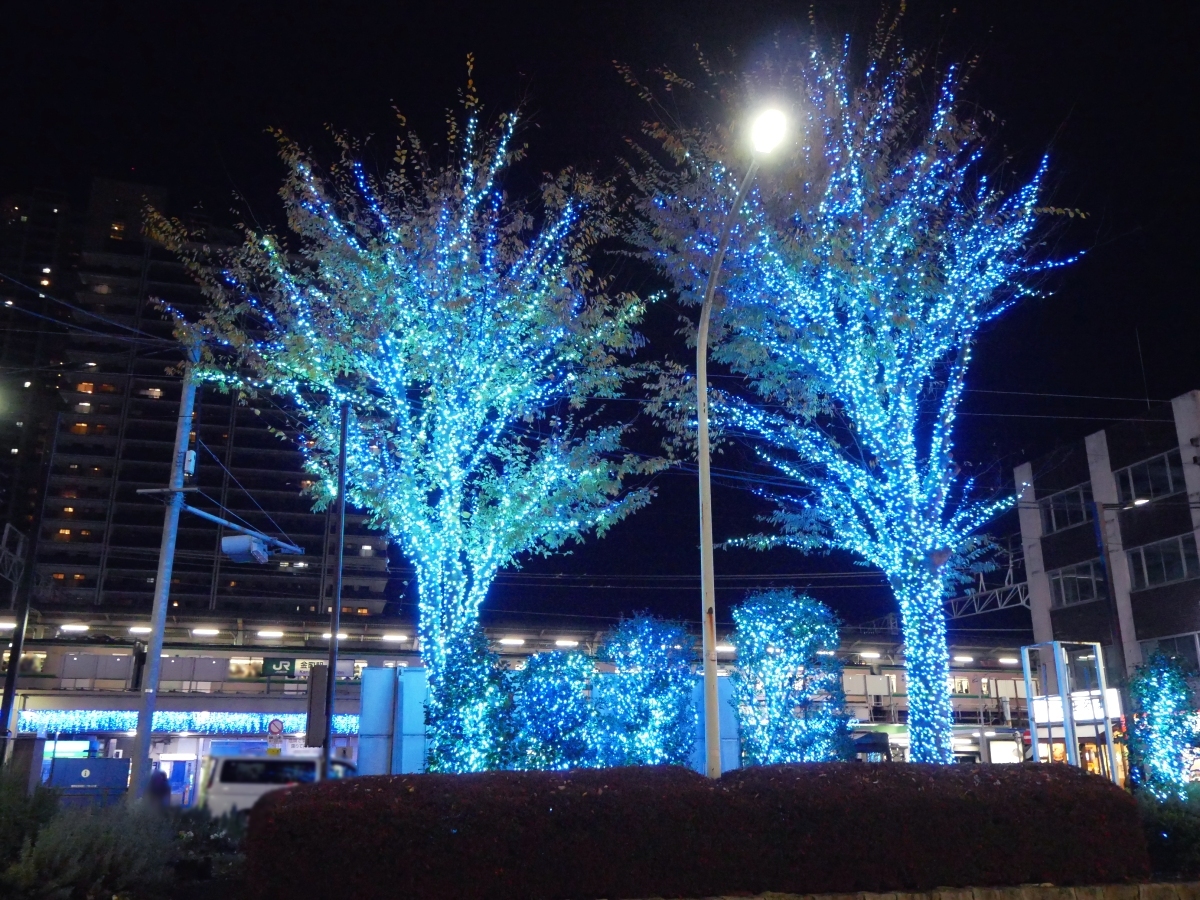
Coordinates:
<point>667,831</point>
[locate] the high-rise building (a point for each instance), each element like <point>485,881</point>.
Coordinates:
<point>119,389</point>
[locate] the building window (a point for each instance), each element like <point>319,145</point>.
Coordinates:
<point>1164,562</point>
<point>960,685</point>
<point>1066,509</point>
<point>1182,649</point>
<point>1077,584</point>
<point>116,231</point>
<point>59,576</point>
<point>68,509</point>
<point>79,428</point>
<point>85,387</point>
<point>366,550</point>
<point>66,532</point>
<point>1160,476</point>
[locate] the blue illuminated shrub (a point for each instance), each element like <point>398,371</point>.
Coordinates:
<point>1163,728</point>
<point>644,712</point>
<point>550,714</point>
<point>787,684</point>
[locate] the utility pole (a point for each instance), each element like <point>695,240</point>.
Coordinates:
<point>162,582</point>
<point>335,612</point>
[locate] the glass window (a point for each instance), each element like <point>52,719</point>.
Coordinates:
<point>1164,562</point>
<point>268,771</point>
<point>1159,476</point>
<point>1066,509</point>
<point>1181,649</point>
<point>1077,584</point>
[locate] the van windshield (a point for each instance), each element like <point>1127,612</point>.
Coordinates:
<point>268,771</point>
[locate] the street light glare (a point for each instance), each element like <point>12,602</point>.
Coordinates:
<point>768,130</point>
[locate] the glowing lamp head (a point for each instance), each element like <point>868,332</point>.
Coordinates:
<point>768,130</point>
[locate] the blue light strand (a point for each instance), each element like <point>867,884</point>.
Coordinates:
<point>109,721</point>
<point>1163,729</point>
<point>859,275</point>
<point>787,681</point>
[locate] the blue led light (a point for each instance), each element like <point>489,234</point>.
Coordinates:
<point>106,721</point>
<point>787,683</point>
<point>861,270</point>
<point>1163,728</point>
<point>472,336</point>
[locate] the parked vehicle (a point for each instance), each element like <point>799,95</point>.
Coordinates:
<point>236,782</point>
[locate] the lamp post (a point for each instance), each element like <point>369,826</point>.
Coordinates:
<point>766,134</point>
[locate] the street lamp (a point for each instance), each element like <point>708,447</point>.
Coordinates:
<point>766,134</point>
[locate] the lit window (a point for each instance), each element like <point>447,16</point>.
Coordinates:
<point>73,466</point>
<point>45,282</point>
<point>79,428</point>
<point>14,451</point>
<point>85,533</point>
<point>29,384</point>
<point>154,393</point>
<point>1077,584</point>
<point>1160,476</point>
<point>83,407</point>
<point>64,531</point>
<point>300,565</point>
<point>78,576</point>
<point>116,231</point>
<point>85,387</point>
<point>68,509</point>
<point>45,270</point>
<point>102,289</point>
<point>366,550</point>
<point>1163,562</point>
<point>59,576</point>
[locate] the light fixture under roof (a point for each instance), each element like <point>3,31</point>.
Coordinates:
<point>74,626</point>
<point>395,637</point>
<point>566,643</point>
<point>1009,661</point>
<point>270,633</point>
<point>869,654</point>
<point>140,629</point>
<point>726,648</point>
<point>206,632</point>
<point>964,659</point>
<point>512,641</point>
<point>341,635</point>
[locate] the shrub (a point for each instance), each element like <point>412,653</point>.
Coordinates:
<point>787,683</point>
<point>667,831</point>
<point>551,715</point>
<point>85,852</point>
<point>1172,829</point>
<point>644,713</point>
<point>22,815</point>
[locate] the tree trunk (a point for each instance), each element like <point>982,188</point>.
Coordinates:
<point>926,666</point>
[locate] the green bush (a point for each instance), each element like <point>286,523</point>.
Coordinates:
<point>93,853</point>
<point>22,815</point>
<point>1172,829</point>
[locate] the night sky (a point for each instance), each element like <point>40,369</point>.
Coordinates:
<point>180,94</point>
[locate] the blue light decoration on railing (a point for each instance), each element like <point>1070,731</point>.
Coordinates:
<point>102,721</point>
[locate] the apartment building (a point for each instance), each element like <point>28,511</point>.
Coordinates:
<point>1109,529</point>
<point>112,429</point>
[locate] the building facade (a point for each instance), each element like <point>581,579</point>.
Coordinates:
<point>1109,531</point>
<point>112,427</point>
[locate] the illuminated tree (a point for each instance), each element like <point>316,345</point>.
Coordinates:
<point>787,684</point>
<point>644,710</point>
<point>861,269</point>
<point>551,716</point>
<point>1163,726</point>
<point>472,338</point>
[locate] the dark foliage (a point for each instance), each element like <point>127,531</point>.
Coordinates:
<point>1172,829</point>
<point>666,831</point>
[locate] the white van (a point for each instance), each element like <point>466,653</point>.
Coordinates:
<point>236,782</point>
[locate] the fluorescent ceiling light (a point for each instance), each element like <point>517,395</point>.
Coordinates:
<point>140,629</point>
<point>1141,501</point>
<point>270,633</point>
<point>74,627</point>
<point>206,632</point>
<point>7,626</point>
<point>726,648</point>
<point>395,637</point>
<point>566,642</point>
<point>512,641</point>
<point>964,659</point>
<point>341,635</point>
<point>869,654</point>
<point>1009,661</point>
